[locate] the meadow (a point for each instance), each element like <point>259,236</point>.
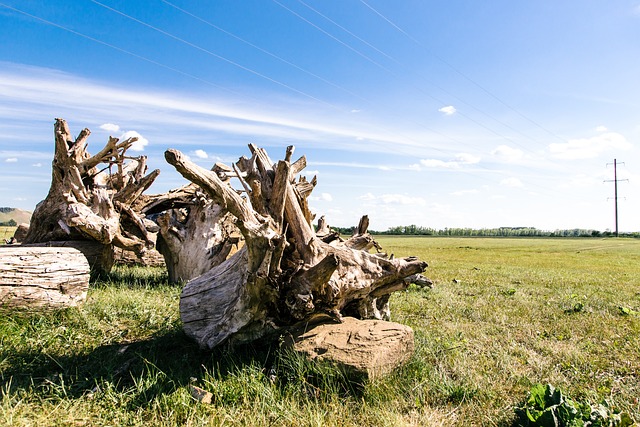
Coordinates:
<point>504,314</point>
<point>6,232</point>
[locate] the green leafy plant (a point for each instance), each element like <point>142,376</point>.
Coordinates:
<point>549,407</point>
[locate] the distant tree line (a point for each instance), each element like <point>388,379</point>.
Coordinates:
<point>414,230</point>
<point>11,223</point>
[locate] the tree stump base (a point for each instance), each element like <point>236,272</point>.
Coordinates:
<point>364,348</point>
<point>42,276</point>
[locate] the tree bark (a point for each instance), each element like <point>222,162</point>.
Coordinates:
<point>42,276</point>
<point>285,273</point>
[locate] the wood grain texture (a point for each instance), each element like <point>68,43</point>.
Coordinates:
<point>42,276</point>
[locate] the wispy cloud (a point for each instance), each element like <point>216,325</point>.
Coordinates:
<point>201,154</point>
<point>110,127</point>
<point>396,199</point>
<point>460,160</point>
<point>448,110</point>
<point>507,154</point>
<point>512,182</point>
<point>39,90</point>
<point>11,159</point>
<point>589,148</point>
<point>464,192</point>
<point>324,197</point>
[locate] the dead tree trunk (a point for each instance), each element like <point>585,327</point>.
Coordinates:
<point>284,274</point>
<point>91,196</point>
<point>42,276</point>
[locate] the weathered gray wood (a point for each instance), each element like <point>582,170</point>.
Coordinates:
<point>88,202</point>
<point>285,273</point>
<point>99,256</point>
<point>42,276</point>
<point>195,241</point>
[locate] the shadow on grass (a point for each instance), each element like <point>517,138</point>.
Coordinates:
<point>148,368</point>
<point>143,371</point>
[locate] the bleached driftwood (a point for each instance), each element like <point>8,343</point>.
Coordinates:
<point>284,273</point>
<point>42,276</point>
<point>91,196</point>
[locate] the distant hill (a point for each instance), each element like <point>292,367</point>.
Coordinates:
<point>18,215</point>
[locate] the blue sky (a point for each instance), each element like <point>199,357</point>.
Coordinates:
<point>439,114</point>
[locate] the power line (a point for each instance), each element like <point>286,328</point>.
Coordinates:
<point>456,70</point>
<point>188,74</point>
<point>215,55</point>
<point>395,75</point>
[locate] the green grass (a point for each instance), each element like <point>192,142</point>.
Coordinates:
<point>504,314</point>
<point>6,232</point>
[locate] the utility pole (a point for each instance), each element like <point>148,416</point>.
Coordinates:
<point>615,188</point>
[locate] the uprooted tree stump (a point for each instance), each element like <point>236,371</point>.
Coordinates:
<point>284,274</point>
<point>196,236</point>
<point>42,276</point>
<point>94,197</point>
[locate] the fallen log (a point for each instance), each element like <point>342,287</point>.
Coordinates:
<point>99,256</point>
<point>42,276</point>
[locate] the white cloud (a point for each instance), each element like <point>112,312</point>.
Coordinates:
<point>393,199</point>
<point>511,182</point>
<point>601,129</point>
<point>40,89</point>
<point>37,165</point>
<point>448,110</point>
<point>11,160</point>
<point>139,144</point>
<point>461,159</point>
<point>201,154</point>
<point>110,127</point>
<point>355,111</point>
<point>324,197</point>
<point>464,192</point>
<point>507,154</point>
<point>435,163</point>
<point>467,159</point>
<point>589,148</point>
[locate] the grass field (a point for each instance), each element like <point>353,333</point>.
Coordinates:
<point>6,232</point>
<point>504,314</point>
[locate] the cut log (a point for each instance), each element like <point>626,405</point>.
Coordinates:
<point>42,276</point>
<point>99,256</point>
<point>285,273</point>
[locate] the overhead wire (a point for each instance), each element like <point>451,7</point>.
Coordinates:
<point>208,52</point>
<point>459,72</point>
<point>269,78</point>
<point>461,113</point>
<point>416,87</point>
<point>151,61</point>
<point>393,59</point>
<point>172,68</point>
<point>260,74</point>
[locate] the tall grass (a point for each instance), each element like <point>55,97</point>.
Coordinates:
<point>504,314</point>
